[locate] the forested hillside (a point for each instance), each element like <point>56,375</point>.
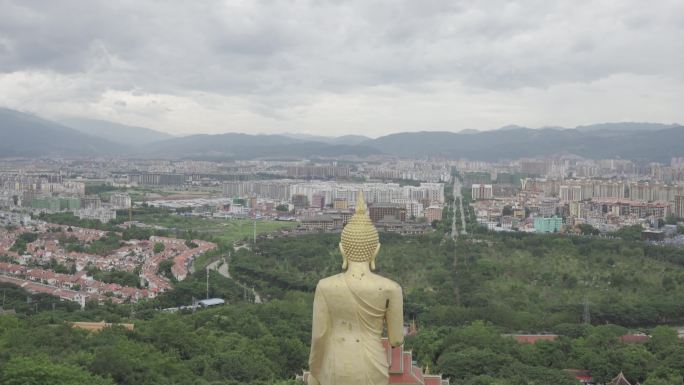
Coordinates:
<point>520,282</point>
<point>237,344</point>
<point>464,296</point>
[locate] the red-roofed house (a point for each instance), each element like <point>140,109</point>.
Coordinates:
<point>583,376</point>
<point>634,339</point>
<point>11,268</point>
<point>43,276</point>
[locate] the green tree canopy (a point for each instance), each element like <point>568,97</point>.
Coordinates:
<point>40,371</point>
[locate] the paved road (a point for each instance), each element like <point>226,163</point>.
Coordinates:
<point>458,197</point>
<point>224,270</point>
<point>454,233</point>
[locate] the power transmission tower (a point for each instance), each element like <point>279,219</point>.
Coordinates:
<point>207,282</point>
<point>586,316</point>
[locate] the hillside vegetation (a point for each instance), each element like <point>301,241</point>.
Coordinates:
<point>465,296</point>
<point>520,282</point>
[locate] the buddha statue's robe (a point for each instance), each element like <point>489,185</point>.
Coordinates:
<point>350,311</point>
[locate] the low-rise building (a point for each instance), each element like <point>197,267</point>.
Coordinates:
<point>434,213</point>
<point>101,214</point>
<point>548,225</point>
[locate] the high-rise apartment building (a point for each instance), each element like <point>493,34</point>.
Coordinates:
<point>340,204</point>
<point>120,200</point>
<point>300,201</point>
<point>158,179</point>
<point>318,171</point>
<point>679,206</point>
<point>91,202</point>
<point>548,207</point>
<point>373,192</point>
<point>482,191</point>
<point>414,209</point>
<point>433,213</point>
<point>380,211</point>
<point>570,193</point>
<point>279,190</point>
<point>318,201</point>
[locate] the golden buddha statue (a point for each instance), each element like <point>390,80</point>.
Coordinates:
<point>350,311</point>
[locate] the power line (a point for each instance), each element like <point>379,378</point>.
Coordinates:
<point>586,316</point>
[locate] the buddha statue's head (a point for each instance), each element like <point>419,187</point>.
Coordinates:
<point>360,241</point>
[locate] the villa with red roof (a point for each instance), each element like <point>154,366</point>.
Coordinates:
<point>128,257</point>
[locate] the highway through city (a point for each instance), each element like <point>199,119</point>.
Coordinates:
<point>458,196</point>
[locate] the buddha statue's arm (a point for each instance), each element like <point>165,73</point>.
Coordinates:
<point>318,336</point>
<point>394,316</point>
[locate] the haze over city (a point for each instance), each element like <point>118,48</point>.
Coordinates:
<point>343,67</point>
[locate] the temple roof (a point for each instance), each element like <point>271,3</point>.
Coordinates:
<point>620,380</point>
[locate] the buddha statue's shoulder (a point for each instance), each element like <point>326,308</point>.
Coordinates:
<point>329,282</point>
<point>334,281</point>
<point>386,283</point>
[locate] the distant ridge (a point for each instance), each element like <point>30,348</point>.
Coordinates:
<point>345,139</point>
<point>26,135</point>
<point>636,141</point>
<point>115,132</point>
<point>626,127</point>
<point>244,146</point>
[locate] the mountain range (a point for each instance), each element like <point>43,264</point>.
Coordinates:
<point>115,132</point>
<point>27,135</point>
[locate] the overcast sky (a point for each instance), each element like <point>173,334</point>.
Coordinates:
<point>344,67</point>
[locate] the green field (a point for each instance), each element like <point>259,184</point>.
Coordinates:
<point>222,231</point>
<point>225,230</point>
<point>142,194</point>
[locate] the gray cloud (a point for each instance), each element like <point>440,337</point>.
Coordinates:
<point>265,66</point>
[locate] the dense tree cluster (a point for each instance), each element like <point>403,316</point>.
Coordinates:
<point>19,245</point>
<point>516,282</point>
<point>521,282</point>
<point>120,277</point>
<point>92,189</point>
<point>481,354</point>
<point>237,344</point>
<point>69,219</point>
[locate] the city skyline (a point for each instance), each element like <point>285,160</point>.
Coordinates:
<point>343,68</point>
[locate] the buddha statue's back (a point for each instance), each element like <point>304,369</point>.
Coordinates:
<point>351,310</point>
